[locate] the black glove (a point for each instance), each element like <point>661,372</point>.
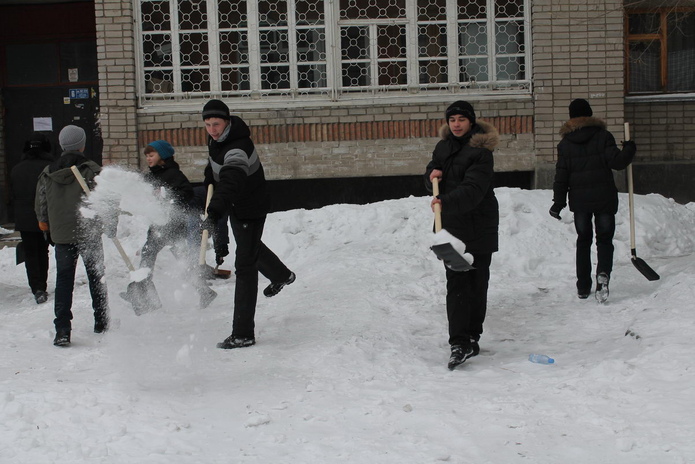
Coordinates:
<point>47,237</point>
<point>630,144</point>
<point>209,224</point>
<point>221,251</point>
<point>555,211</point>
<point>110,230</point>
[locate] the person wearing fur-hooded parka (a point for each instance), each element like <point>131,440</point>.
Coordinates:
<point>587,156</point>
<point>462,161</point>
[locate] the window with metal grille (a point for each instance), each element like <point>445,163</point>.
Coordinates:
<point>660,51</point>
<point>310,49</point>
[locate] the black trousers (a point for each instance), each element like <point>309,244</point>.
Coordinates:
<point>605,230</point>
<point>466,300</point>
<point>35,260</point>
<point>252,257</point>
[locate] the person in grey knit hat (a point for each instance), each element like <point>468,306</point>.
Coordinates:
<point>72,138</point>
<point>58,199</point>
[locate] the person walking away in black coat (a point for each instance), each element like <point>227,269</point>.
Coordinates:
<point>587,155</point>
<point>462,161</point>
<point>23,180</point>
<point>165,173</point>
<point>235,170</point>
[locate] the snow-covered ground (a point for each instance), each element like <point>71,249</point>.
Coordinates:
<point>350,361</point>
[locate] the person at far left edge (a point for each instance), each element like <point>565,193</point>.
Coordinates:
<point>23,179</point>
<point>58,199</point>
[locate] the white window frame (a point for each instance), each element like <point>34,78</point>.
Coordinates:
<point>334,92</point>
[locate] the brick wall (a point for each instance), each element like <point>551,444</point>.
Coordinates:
<point>377,140</point>
<point>577,53</point>
<point>663,131</point>
<point>116,55</point>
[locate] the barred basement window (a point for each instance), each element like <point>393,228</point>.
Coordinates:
<point>275,50</point>
<point>660,49</point>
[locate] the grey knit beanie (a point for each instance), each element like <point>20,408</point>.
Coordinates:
<point>72,138</point>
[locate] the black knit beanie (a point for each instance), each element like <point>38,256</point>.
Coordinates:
<point>215,109</point>
<point>463,108</point>
<point>580,108</point>
<point>37,140</point>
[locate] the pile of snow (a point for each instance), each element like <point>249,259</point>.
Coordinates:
<point>350,364</point>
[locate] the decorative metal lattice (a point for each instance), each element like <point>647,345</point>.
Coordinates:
<point>289,48</point>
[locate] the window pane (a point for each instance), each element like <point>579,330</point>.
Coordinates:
<point>232,14</point>
<point>474,70</point>
<point>509,38</point>
<point>473,39</point>
<point>192,14</point>
<point>681,52</point>
<point>645,23</point>
<point>645,75</point>
<point>509,8</point>
<point>372,9</point>
<point>510,69</point>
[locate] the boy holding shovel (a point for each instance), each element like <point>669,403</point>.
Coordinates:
<point>173,186</point>
<point>462,163</point>
<point>236,172</point>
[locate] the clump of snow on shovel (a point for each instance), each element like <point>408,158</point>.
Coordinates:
<point>443,236</point>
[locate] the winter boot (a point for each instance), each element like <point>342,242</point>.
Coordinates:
<point>602,287</point>
<point>62,338</point>
<point>459,354</point>
<point>101,325</point>
<point>475,347</point>
<point>274,289</point>
<point>40,296</point>
<point>233,341</point>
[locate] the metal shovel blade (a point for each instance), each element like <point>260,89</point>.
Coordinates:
<point>452,259</point>
<point>143,296</point>
<point>644,268</point>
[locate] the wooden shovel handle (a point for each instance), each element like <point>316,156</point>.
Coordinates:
<point>204,238</point>
<point>630,194</point>
<point>78,175</point>
<point>437,206</point>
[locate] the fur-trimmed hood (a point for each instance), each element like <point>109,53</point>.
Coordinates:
<point>485,135</point>
<point>575,124</point>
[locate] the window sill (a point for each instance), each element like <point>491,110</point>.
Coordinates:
<point>665,98</point>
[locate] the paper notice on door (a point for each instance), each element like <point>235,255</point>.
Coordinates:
<point>43,124</point>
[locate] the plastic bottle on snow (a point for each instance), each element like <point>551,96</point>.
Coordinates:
<point>540,359</point>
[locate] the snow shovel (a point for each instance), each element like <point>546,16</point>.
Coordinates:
<point>447,247</point>
<point>217,272</point>
<point>639,263</point>
<point>142,295</point>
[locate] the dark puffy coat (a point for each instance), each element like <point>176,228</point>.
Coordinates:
<point>587,154</point>
<point>235,170</point>
<point>470,211</point>
<point>169,175</point>
<point>23,179</point>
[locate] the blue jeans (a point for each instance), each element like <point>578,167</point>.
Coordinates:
<point>66,263</point>
<point>605,229</point>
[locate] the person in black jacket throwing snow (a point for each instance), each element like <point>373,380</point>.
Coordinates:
<point>587,154</point>
<point>462,161</point>
<point>236,172</point>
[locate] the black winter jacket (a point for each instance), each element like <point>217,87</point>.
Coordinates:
<point>169,175</point>
<point>23,179</point>
<point>470,211</point>
<point>587,154</point>
<point>236,172</point>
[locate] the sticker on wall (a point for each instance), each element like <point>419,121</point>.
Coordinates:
<point>66,100</point>
<point>79,94</point>
<point>73,75</point>
<point>43,124</point>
